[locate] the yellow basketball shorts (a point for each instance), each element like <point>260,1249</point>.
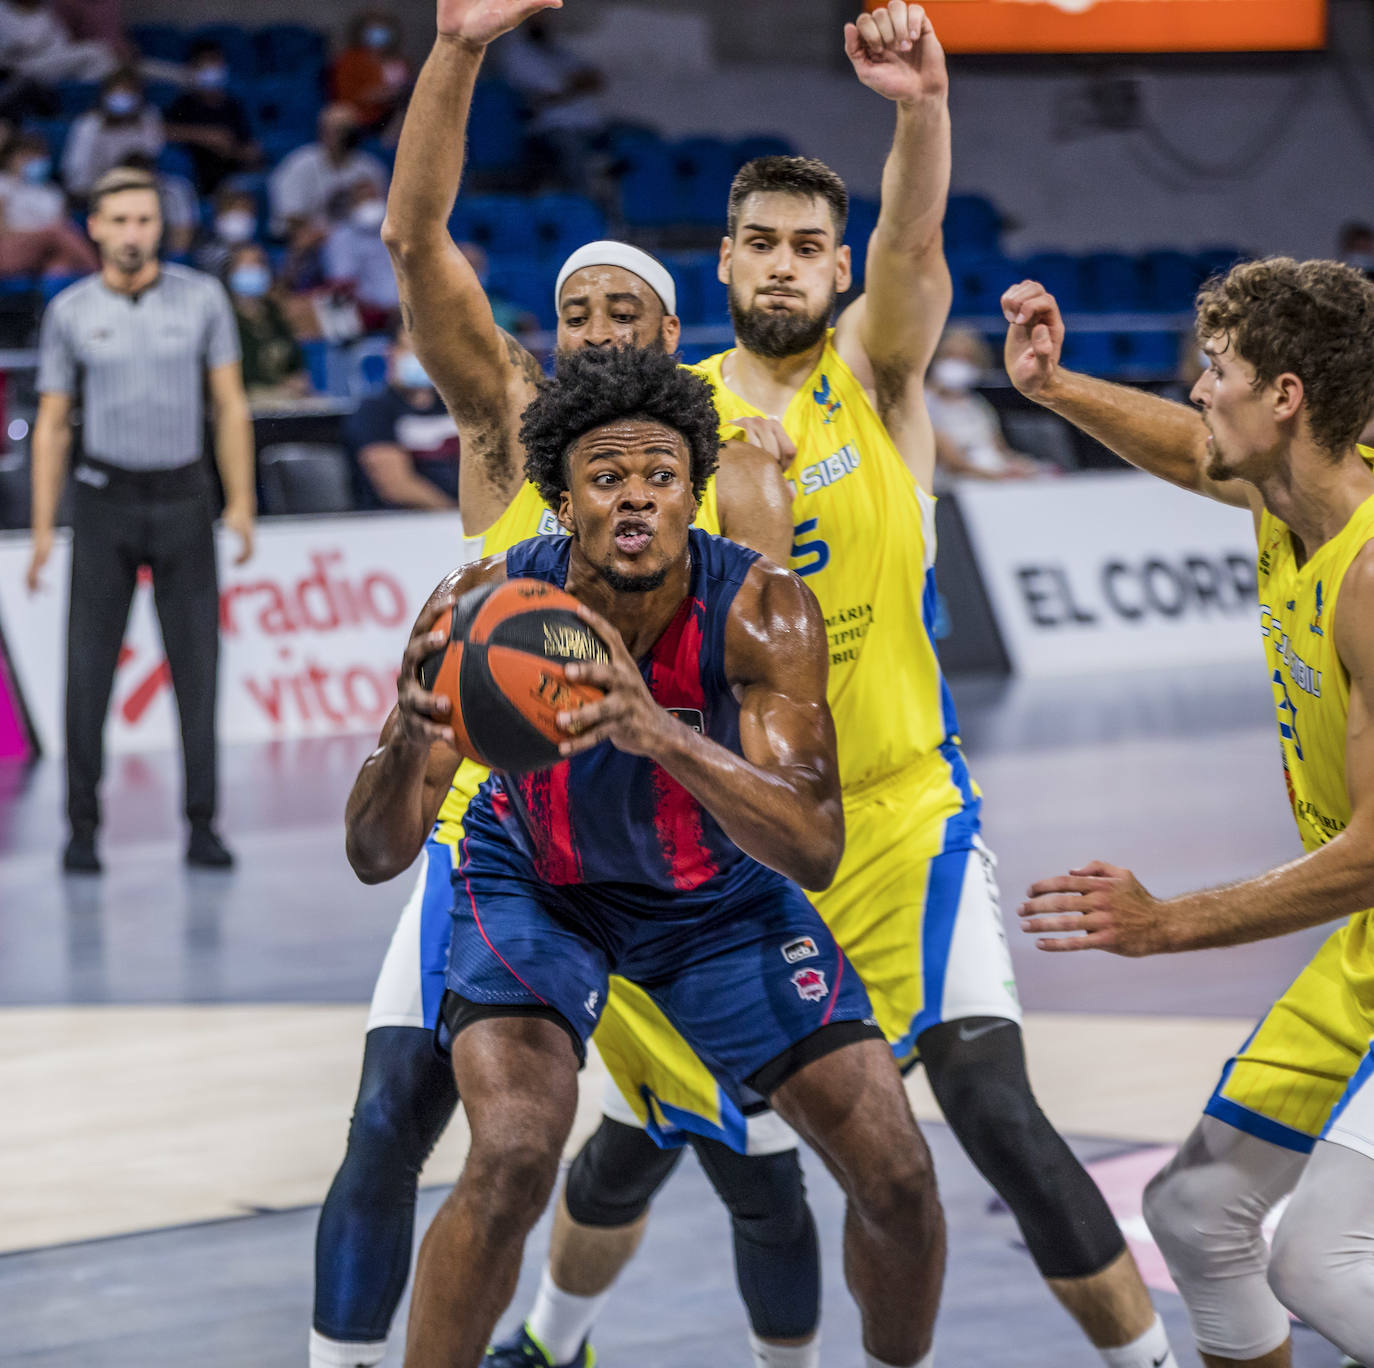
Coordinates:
<point>1302,1074</point>
<point>915,907</point>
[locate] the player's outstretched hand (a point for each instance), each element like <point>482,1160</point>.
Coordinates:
<point>768,435</point>
<point>1035,337</point>
<point>1106,905</point>
<point>423,715</point>
<point>895,52</point>
<point>627,717</point>
<point>479,22</point>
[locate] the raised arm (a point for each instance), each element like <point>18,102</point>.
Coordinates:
<point>888,336</point>
<point>1117,914</point>
<point>752,494</point>
<point>780,801</point>
<point>1158,436</point>
<point>485,377</point>
<point>399,788</point>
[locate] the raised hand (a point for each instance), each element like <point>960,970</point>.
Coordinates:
<point>1035,337</point>
<point>895,52</point>
<point>628,717</point>
<point>479,22</point>
<point>1104,903</point>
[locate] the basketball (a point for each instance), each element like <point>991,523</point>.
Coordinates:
<point>503,670</point>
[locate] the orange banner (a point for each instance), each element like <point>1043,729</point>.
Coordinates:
<point>1127,25</point>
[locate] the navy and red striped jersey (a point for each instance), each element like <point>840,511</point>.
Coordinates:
<point>607,817</point>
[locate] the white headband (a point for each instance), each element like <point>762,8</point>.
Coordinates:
<point>653,273</point>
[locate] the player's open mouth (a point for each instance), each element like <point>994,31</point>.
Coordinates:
<point>632,535</point>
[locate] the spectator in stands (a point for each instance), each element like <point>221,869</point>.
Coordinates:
<point>563,91</point>
<point>180,207</point>
<point>1355,247</point>
<point>36,236</point>
<point>124,124</point>
<point>235,221</point>
<point>403,442</point>
<point>357,263</point>
<point>210,122</point>
<point>371,75</point>
<point>309,180</point>
<point>35,45</point>
<point>273,363</point>
<point>99,19</point>
<point>968,433</point>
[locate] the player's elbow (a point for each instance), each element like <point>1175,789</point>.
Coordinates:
<point>372,860</point>
<point>818,856</point>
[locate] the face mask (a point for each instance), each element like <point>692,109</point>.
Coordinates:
<point>38,170</point>
<point>211,77</point>
<point>252,280</point>
<point>377,36</point>
<point>121,103</point>
<point>954,373</point>
<point>410,373</point>
<point>368,215</point>
<point>235,225</point>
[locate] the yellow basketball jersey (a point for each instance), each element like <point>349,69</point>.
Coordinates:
<point>864,541</point>
<point>526,516</point>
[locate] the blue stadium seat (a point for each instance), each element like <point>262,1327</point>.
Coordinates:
<point>648,183</point>
<point>237,44</point>
<point>562,223</point>
<point>316,353</point>
<point>76,97</point>
<point>277,143</point>
<point>161,93</point>
<point>863,219</point>
<point>1060,273</point>
<point>972,224</point>
<point>16,285</point>
<point>502,225</point>
<point>702,171</point>
<point>496,137</point>
<point>1112,283</point>
<point>1092,352</point>
<point>51,285</point>
<point>701,298</point>
<point>289,49</point>
<point>527,285</point>
<point>284,104</point>
<point>53,132</point>
<point>175,160</point>
<point>162,42</point>
<point>1170,280</point>
<point>1150,355</point>
<point>758,145</point>
<point>979,282</point>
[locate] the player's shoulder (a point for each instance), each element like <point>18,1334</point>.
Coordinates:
<point>74,296</point>
<point>190,283</point>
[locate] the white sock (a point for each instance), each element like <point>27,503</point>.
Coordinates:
<point>560,1321</point>
<point>871,1362</point>
<point>1151,1350</point>
<point>767,1355</point>
<point>328,1353</point>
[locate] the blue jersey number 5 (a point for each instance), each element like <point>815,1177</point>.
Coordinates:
<point>816,549</point>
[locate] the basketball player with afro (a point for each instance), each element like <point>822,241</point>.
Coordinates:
<point>665,851</point>
<point>1288,387</point>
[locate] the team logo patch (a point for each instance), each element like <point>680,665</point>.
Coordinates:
<point>801,948</point>
<point>825,397</point>
<point>691,717</point>
<point>1316,623</point>
<point>810,985</point>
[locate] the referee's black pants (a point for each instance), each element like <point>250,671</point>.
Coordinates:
<point>164,520</point>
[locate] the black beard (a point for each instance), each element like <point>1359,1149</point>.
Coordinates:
<point>634,584</point>
<point>778,333</point>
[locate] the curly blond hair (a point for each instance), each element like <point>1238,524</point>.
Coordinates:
<point>1314,319</point>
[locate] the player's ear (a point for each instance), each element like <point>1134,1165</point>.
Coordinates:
<point>564,514</point>
<point>844,268</point>
<point>723,265</point>
<point>1289,393</point>
<point>671,332</point>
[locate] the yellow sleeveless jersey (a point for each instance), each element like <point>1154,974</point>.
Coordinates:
<point>527,515</point>
<point>864,542</point>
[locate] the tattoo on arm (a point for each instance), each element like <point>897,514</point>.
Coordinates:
<point>522,360</point>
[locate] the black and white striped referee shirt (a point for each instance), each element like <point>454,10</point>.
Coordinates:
<point>140,362</point>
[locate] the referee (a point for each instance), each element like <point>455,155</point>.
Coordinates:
<point>136,343</point>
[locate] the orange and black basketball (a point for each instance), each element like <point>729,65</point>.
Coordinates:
<point>503,670</point>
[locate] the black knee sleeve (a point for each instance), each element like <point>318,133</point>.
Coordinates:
<point>616,1174</point>
<point>777,1261</point>
<point>977,1070</point>
<point>362,1246</point>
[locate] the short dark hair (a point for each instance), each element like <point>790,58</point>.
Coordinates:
<point>203,47</point>
<point>789,176</point>
<point>593,386</point>
<point>1313,318</point>
<point>119,179</point>
<point>121,77</point>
